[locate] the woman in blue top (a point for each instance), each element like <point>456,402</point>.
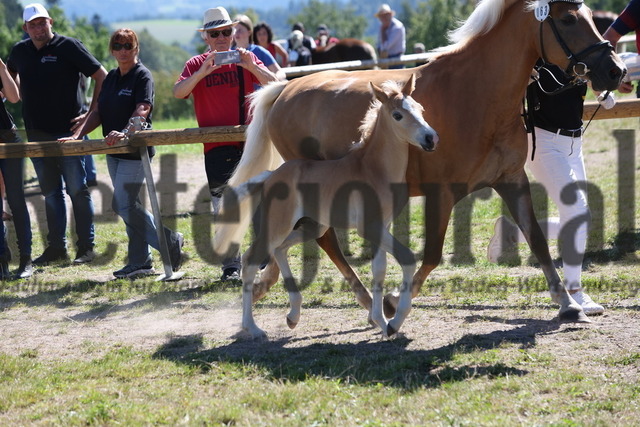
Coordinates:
<point>128,92</point>
<point>243,38</point>
<point>13,173</point>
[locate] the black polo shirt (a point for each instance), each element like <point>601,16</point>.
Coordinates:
<point>6,123</point>
<point>49,86</point>
<point>119,97</point>
<point>562,110</point>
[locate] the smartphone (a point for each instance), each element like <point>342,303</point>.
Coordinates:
<point>227,57</point>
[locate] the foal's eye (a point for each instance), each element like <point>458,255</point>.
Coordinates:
<point>397,116</point>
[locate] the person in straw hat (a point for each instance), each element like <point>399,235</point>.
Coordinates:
<point>219,92</point>
<point>391,37</point>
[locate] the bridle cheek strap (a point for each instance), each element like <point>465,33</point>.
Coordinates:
<point>576,66</point>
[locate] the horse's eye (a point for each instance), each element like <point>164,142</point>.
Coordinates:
<point>569,19</point>
<point>397,116</point>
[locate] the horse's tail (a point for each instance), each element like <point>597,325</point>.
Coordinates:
<point>370,50</point>
<point>228,233</point>
<point>259,152</point>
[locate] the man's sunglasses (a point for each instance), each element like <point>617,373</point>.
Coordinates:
<point>120,46</point>
<point>215,33</point>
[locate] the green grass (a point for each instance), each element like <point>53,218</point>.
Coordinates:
<point>520,369</point>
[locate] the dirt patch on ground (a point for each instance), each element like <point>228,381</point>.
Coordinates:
<point>191,325</point>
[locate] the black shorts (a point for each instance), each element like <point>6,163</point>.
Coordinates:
<point>219,163</point>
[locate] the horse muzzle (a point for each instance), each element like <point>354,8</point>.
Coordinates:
<point>607,72</point>
<point>430,142</point>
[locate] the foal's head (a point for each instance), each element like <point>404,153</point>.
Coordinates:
<point>403,115</point>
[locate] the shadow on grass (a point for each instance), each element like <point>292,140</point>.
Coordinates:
<point>45,294</point>
<point>369,362</point>
<point>155,294</point>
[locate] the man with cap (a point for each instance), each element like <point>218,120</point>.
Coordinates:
<point>219,92</point>
<point>47,67</point>
<point>391,37</point>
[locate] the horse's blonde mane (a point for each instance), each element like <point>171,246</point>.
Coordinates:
<point>370,117</point>
<point>483,18</point>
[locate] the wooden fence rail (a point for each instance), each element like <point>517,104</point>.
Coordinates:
<point>623,108</point>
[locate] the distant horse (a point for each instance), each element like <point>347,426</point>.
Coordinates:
<point>375,164</point>
<point>603,19</point>
<point>472,93</point>
<point>344,50</point>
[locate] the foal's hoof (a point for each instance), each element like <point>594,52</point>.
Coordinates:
<point>390,330</point>
<point>389,304</point>
<point>291,324</point>
<point>573,315</point>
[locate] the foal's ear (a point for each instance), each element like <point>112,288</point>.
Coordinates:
<point>378,92</point>
<point>409,86</point>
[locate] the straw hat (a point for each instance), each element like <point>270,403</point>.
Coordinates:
<point>385,9</point>
<point>217,17</point>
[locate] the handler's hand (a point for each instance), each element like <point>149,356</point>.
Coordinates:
<point>607,101</point>
<point>625,87</point>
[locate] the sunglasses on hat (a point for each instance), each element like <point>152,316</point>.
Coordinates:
<point>120,46</point>
<point>215,33</point>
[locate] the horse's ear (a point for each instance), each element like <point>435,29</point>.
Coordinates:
<point>409,86</point>
<point>378,92</point>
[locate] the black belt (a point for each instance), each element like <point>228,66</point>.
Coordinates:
<point>564,132</point>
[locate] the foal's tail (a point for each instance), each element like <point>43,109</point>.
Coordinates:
<point>259,155</point>
<point>228,233</point>
<point>259,152</point>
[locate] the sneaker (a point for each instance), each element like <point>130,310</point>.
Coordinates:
<point>134,271</point>
<point>230,275</point>
<point>588,306</point>
<point>51,255</point>
<point>25,269</point>
<point>503,239</point>
<point>84,257</point>
<point>175,252</point>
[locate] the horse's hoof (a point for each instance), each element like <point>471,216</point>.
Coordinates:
<point>390,330</point>
<point>291,324</point>
<point>389,305</point>
<point>245,335</point>
<point>572,315</point>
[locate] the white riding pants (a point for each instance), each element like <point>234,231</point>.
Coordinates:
<point>559,165</point>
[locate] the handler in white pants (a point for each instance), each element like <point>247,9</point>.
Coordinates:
<point>558,165</point>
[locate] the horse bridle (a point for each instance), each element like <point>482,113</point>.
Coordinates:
<point>576,68</point>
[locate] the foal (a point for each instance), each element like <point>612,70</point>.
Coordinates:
<point>360,190</point>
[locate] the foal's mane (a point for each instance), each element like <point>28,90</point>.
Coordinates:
<point>483,18</point>
<point>391,88</point>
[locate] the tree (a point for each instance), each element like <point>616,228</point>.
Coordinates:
<point>432,20</point>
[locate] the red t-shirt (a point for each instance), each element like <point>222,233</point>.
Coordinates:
<point>216,98</point>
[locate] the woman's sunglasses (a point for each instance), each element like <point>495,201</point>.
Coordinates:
<point>120,46</point>
<point>215,33</point>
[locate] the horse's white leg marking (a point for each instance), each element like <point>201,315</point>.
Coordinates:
<point>406,259</point>
<point>295,297</point>
<point>379,270</point>
<point>248,275</point>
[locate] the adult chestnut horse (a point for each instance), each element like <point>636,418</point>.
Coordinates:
<point>472,94</point>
